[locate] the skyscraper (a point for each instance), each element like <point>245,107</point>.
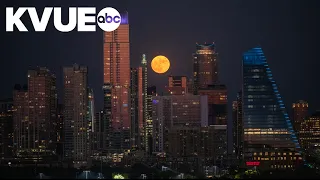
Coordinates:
<point>136,108</point>
<point>177,85</point>
<point>269,137</point>
<point>205,66</point>
<point>116,55</point>
<point>75,114</point>
<point>300,112</point>
<point>139,113</point>
<point>35,131</point>
<point>146,122</point>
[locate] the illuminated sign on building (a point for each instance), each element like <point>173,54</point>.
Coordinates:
<point>253,163</point>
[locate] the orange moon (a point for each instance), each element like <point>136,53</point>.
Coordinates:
<point>160,64</point>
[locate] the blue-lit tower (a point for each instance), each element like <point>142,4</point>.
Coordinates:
<point>269,138</point>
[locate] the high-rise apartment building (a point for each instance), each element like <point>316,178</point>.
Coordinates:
<point>176,111</point>
<point>300,112</point>
<point>205,66</point>
<point>35,127</point>
<point>139,106</point>
<point>269,138</point>
<point>217,103</point>
<point>116,63</point>
<point>237,128</point>
<point>309,133</point>
<point>75,114</point>
<point>177,85</point>
<point>6,128</point>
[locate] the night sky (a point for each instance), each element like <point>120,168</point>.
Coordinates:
<point>286,30</point>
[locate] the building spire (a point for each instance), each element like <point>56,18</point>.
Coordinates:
<point>144,59</point>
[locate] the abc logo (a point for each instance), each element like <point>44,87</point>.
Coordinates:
<point>109,19</point>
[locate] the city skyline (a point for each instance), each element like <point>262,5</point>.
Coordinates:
<point>239,98</point>
<point>283,45</point>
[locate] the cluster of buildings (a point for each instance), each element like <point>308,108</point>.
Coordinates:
<point>185,124</point>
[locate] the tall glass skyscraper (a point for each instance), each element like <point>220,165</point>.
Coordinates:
<point>269,138</point>
<point>116,59</point>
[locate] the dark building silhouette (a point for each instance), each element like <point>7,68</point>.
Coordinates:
<point>217,103</point>
<point>59,130</point>
<point>6,128</point>
<point>237,129</point>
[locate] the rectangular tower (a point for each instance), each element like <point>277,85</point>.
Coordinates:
<point>205,66</point>
<point>237,129</point>
<point>75,114</point>
<point>36,131</point>
<point>116,57</point>
<point>136,108</point>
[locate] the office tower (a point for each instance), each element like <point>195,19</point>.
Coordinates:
<point>151,91</point>
<point>205,66</point>
<point>217,103</point>
<point>309,133</point>
<point>75,114</point>
<point>177,85</point>
<point>237,129</point>
<point>35,116</point>
<point>136,108</point>
<point>6,128</point>
<point>146,123</point>
<point>209,143</point>
<point>59,130</point>
<point>176,111</point>
<point>269,137</point>
<point>116,55</point>
<point>300,112</point>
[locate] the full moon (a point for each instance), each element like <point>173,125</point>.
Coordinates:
<point>160,64</point>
